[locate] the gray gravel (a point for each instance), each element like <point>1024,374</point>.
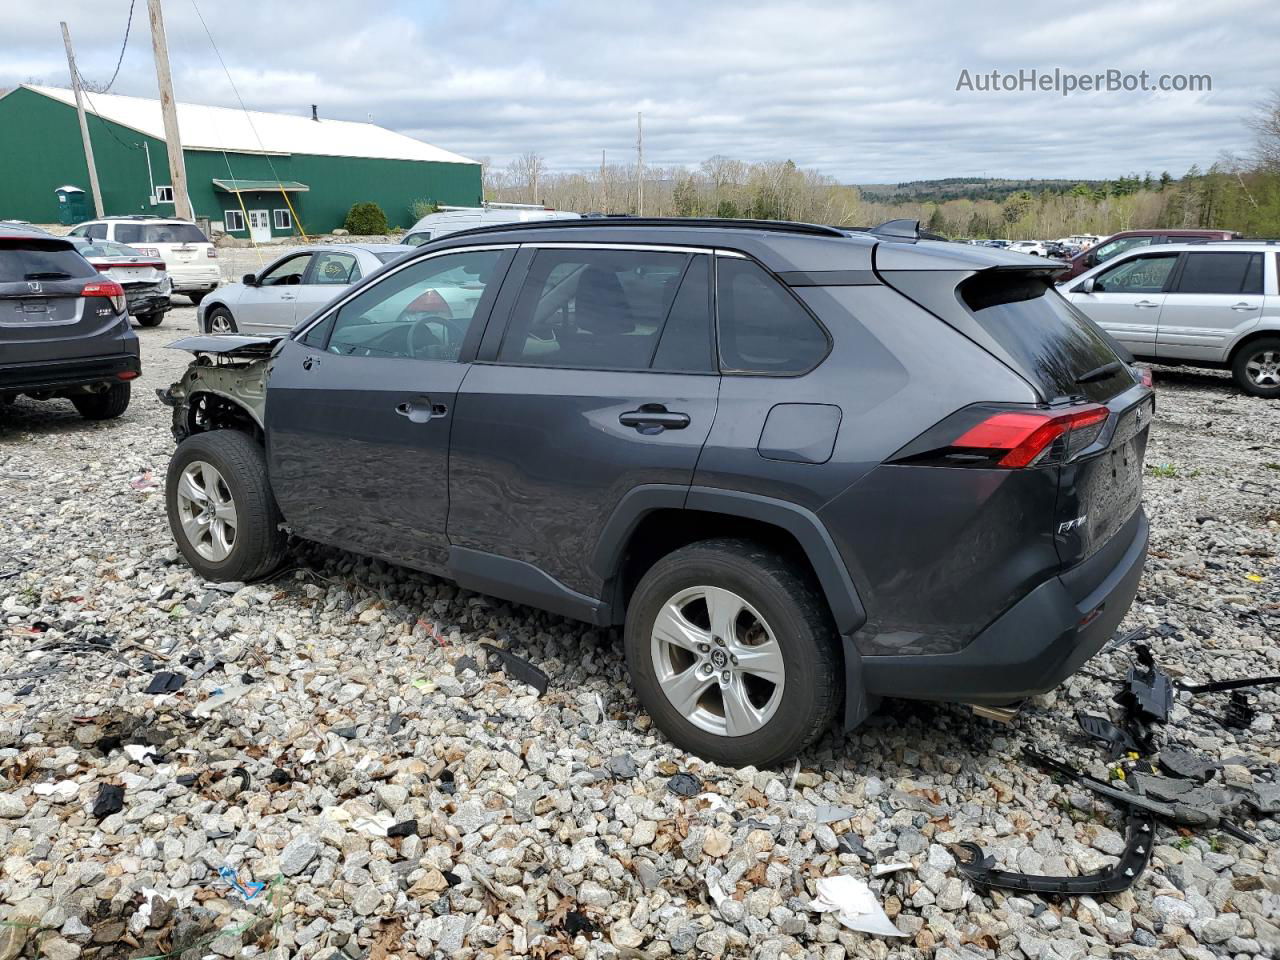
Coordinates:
<point>324,706</point>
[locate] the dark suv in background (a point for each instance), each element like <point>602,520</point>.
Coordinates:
<point>802,467</point>
<point>64,328</point>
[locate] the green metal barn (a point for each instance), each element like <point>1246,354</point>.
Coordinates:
<point>240,165</point>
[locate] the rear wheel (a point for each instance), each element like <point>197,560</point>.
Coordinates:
<point>221,510</point>
<point>1256,367</point>
<point>196,296</point>
<point>731,651</point>
<point>220,320</point>
<point>150,319</point>
<point>105,405</point>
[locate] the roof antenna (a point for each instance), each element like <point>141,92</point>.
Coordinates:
<point>314,116</point>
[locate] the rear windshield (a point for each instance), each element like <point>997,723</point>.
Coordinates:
<point>105,248</point>
<point>159,233</point>
<point>1052,342</point>
<point>33,260</point>
<point>391,255</point>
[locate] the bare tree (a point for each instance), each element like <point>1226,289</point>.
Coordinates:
<point>525,171</point>
<point>1266,132</point>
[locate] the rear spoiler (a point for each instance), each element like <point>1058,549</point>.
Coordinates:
<point>904,231</point>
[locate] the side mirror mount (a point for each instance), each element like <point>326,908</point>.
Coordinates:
<point>1089,286</point>
<point>249,280</point>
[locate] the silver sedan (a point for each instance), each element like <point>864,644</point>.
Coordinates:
<point>292,288</point>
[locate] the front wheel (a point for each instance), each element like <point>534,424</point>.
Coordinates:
<point>731,649</point>
<point>1256,368</point>
<point>220,320</point>
<point>221,510</point>
<point>104,405</point>
<point>150,319</point>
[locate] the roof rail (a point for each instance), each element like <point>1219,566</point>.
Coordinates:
<point>704,223</point>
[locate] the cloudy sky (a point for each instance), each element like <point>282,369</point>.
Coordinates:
<point>863,91</point>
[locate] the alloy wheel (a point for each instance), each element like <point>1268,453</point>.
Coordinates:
<point>220,323</point>
<point>1263,368</point>
<point>207,511</point>
<point>717,661</point>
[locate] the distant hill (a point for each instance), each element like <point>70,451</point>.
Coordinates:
<point>963,188</point>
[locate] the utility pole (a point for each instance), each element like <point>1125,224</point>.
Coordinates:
<point>604,191</point>
<point>639,164</point>
<point>169,110</point>
<point>84,124</point>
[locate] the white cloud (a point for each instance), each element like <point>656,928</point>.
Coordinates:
<point>864,90</point>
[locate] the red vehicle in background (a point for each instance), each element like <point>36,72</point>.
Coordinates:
<point>1118,243</point>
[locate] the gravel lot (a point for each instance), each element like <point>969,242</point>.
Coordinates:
<point>347,695</point>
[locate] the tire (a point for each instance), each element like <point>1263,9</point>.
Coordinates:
<point>150,319</point>
<point>217,317</point>
<point>778,600</point>
<point>247,543</point>
<point>196,296</point>
<point>1256,367</point>
<point>107,405</point>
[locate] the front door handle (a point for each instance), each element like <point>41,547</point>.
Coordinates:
<point>288,296</point>
<point>653,418</point>
<point>1146,304</point>
<point>1243,307</point>
<point>421,409</point>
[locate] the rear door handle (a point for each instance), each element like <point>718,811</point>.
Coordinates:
<point>421,409</point>
<point>288,296</point>
<point>654,418</point>
<point>1242,307</point>
<point>1145,304</point>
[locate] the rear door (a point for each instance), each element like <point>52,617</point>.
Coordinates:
<point>271,304</point>
<point>42,313</point>
<point>1127,297</point>
<point>1214,298</point>
<point>602,381</point>
<point>360,405</point>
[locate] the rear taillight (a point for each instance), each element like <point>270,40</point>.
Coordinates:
<point>108,289</point>
<point>212,254</point>
<point>1027,439</point>
<point>149,252</point>
<point>984,436</point>
<point>1147,377</point>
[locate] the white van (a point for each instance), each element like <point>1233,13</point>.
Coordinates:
<point>452,219</point>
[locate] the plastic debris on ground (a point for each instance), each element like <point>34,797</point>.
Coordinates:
<point>165,682</point>
<point>518,668</point>
<point>110,800</point>
<point>685,785</point>
<point>246,890</point>
<point>854,905</point>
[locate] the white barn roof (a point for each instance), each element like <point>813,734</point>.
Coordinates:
<point>225,128</point>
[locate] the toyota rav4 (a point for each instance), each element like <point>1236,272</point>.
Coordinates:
<point>801,467</point>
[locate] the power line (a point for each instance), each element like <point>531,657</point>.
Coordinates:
<point>119,60</point>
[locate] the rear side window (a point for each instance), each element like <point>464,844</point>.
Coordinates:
<point>96,231</point>
<point>1051,341</point>
<point>1221,273</point>
<point>32,260</point>
<point>599,309</point>
<point>336,268</point>
<point>687,340</point>
<point>763,328</point>
<point>159,233</point>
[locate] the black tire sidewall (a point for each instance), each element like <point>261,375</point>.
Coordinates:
<point>1240,375</point>
<point>791,726</point>
<point>105,405</point>
<point>216,312</point>
<point>151,319</point>
<point>206,447</point>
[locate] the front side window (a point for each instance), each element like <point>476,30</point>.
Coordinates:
<point>286,272</point>
<point>763,328</point>
<point>1109,250</point>
<point>95,231</point>
<point>1221,273</point>
<point>1139,275</point>
<point>335,268</point>
<point>423,312</point>
<point>601,309</point>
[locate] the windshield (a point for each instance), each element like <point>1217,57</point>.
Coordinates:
<point>34,260</point>
<point>159,233</point>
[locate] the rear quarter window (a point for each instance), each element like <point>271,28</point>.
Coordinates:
<point>1051,341</point>
<point>763,328</point>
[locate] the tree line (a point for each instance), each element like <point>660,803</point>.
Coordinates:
<point>1234,193</point>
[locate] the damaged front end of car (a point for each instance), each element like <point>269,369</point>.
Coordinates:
<point>224,387</point>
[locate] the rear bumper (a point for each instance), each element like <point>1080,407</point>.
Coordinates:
<point>57,375</point>
<point>1031,648</point>
<point>195,276</point>
<point>147,301</point>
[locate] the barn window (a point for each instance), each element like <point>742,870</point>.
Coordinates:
<point>233,220</point>
<point>283,220</point>
<point>164,194</point>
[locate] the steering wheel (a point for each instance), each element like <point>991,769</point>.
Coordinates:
<point>421,326</point>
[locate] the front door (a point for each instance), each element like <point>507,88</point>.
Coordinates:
<point>602,381</point>
<point>1215,297</point>
<point>360,405</point>
<point>270,304</point>
<point>1126,299</point>
<point>260,225</point>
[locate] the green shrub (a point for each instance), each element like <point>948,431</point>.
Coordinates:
<point>422,207</point>
<point>366,220</point>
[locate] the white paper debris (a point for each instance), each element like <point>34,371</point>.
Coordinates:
<point>63,791</point>
<point>137,751</point>
<point>880,869</point>
<point>854,905</point>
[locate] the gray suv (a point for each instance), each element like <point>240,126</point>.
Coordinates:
<point>803,468</point>
<point>64,327</point>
